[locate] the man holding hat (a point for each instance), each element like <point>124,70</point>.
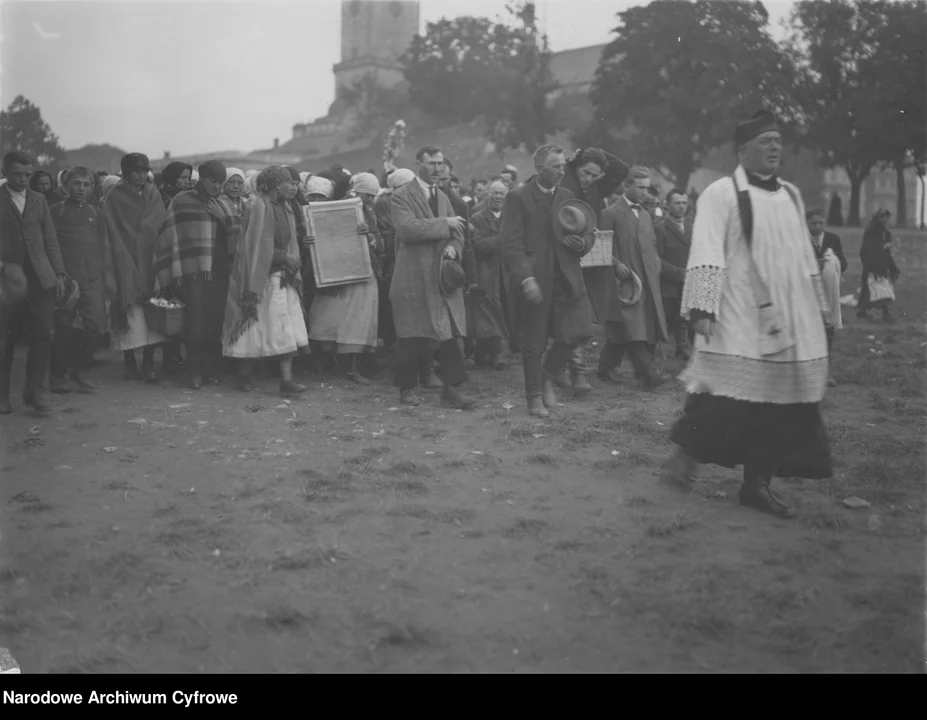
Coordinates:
<point>635,322</point>
<point>753,292</point>
<point>545,232</point>
<point>193,256</point>
<point>28,242</point>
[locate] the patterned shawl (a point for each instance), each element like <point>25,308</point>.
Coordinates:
<point>132,221</point>
<point>188,236</point>
<point>251,270</point>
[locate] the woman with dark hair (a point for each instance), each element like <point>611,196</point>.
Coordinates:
<point>175,178</point>
<point>877,284</point>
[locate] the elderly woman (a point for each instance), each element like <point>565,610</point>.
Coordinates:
<point>175,178</point>
<point>263,313</point>
<point>133,213</point>
<point>192,255</point>
<point>343,319</point>
<point>877,284</point>
<point>41,182</point>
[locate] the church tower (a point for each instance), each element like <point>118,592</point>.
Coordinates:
<point>374,34</point>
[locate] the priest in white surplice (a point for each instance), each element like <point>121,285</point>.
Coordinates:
<point>753,293</point>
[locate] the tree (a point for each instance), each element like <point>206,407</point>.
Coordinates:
<point>375,106</point>
<point>22,128</point>
<point>682,73</point>
<point>837,49</point>
<point>472,67</point>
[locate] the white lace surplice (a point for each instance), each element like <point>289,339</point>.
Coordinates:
<point>718,282</point>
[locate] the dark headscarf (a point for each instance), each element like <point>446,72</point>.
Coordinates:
<point>171,174</point>
<point>134,161</point>
<point>213,170</point>
<point>50,195</point>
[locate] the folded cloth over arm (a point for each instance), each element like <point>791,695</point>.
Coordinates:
<point>830,277</point>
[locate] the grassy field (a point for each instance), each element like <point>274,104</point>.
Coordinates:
<point>153,529</point>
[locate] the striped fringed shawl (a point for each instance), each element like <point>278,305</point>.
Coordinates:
<point>251,270</point>
<point>194,223</point>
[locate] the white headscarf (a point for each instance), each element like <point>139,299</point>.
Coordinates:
<point>399,177</point>
<point>194,177</point>
<point>319,186</point>
<point>365,183</point>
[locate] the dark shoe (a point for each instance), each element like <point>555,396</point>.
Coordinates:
<point>679,470</point>
<point>245,383</point>
<point>536,407</point>
<point>652,382</point>
<point>288,388</point>
<point>581,386</point>
<point>563,380</point>
<point>58,385</point>
<point>407,397</point>
<point>35,398</point>
<point>549,397</point>
<point>606,375</point>
<point>495,363</point>
<point>453,396</point>
<point>210,380</point>
<point>36,370</point>
<point>83,384</point>
<point>356,377</point>
<point>762,498</point>
<point>196,383</point>
<point>431,381</point>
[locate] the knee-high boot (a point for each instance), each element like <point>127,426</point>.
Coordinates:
<point>36,372</point>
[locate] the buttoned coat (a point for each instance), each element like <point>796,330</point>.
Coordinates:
<point>530,249</point>
<point>635,244</point>
<point>420,309</point>
<point>34,229</point>
<point>673,247</point>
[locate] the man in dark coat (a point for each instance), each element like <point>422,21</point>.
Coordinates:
<point>592,175</point>
<point>674,236</point>
<point>553,301</point>
<point>28,239</point>
<point>634,329</point>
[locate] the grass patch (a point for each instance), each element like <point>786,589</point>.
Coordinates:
<point>319,488</point>
<point>448,516</point>
<point>541,458</point>
<point>404,468</point>
<point>525,527</point>
<point>677,522</point>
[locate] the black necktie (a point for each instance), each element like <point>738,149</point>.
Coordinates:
<point>433,200</point>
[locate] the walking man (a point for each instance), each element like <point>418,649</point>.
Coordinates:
<point>674,237</point>
<point>427,234</point>
<point>28,239</point>
<point>553,303</point>
<point>753,291</point>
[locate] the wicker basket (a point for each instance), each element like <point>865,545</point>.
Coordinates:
<point>601,253</point>
<point>168,321</point>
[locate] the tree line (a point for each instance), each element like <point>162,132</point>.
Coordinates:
<point>848,80</point>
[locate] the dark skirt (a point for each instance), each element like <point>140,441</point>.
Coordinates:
<point>784,440</point>
<point>204,307</point>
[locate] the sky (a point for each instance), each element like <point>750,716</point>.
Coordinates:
<point>208,75</point>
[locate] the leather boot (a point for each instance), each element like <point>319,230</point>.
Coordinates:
<point>549,397</point>
<point>354,373</point>
<point>679,470</point>
<point>453,396</point>
<point>581,386</point>
<point>755,493</point>
<point>536,407</point>
<point>407,397</point>
<point>430,379</point>
<point>6,367</point>
<point>36,369</point>
<point>148,372</point>
<point>563,380</point>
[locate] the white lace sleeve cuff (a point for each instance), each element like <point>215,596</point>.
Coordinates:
<point>703,288</point>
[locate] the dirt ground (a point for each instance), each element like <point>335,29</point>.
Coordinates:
<point>156,529</point>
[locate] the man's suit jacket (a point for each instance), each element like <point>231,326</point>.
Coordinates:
<point>831,242</point>
<point>34,229</point>
<point>419,307</point>
<point>673,247</point>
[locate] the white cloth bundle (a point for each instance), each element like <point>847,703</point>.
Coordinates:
<point>830,276</point>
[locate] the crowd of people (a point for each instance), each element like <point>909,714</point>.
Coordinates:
<point>745,287</point>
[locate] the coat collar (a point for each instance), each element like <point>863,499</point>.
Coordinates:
<point>544,202</point>
<point>673,229</point>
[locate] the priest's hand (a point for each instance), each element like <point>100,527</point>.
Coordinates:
<point>703,327</point>
<point>532,291</point>
<point>622,271</point>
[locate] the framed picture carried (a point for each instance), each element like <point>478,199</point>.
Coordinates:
<point>339,254</point>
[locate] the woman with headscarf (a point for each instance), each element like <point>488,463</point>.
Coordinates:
<point>263,313</point>
<point>60,188</point>
<point>133,213</point>
<point>107,184</point>
<point>233,192</point>
<point>343,319</point>
<point>175,178</point>
<point>877,284</point>
<point>41,182</point>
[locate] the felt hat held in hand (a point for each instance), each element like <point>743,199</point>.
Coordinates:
<point>451,276</point>
<point>573,220</point>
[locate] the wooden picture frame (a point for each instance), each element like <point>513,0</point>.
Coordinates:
<point>340,255</point>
